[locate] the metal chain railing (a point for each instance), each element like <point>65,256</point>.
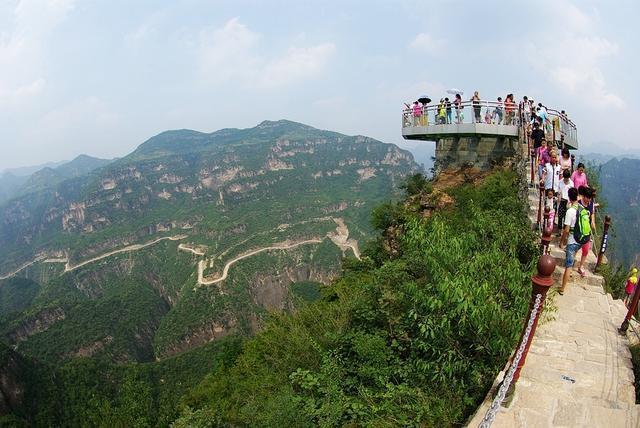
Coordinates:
<point>506,382</point>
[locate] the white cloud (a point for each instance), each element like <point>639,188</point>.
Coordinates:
<point>230,54</point>
<point>574,64</point>
<point>226,54</point>
<point>297,64</point>
<point>569,16</point>
<point>425,42</point>
<point>23,48</point>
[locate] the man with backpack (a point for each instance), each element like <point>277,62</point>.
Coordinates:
<point>576,233</point>
<point>585,198</point>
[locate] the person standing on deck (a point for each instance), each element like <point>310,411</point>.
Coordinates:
<point>459,107</point>
<point>499,111</point>
<point>417,113</point>
<point>475,100</point>
<point>509,107</point>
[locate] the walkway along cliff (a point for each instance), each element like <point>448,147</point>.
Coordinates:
<point>575,369</point>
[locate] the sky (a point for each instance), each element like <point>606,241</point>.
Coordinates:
<point>100,77</point>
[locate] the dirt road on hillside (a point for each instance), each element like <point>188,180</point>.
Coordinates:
<point>225,272</point>
<point>135,247</point>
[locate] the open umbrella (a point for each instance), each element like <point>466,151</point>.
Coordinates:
<point>424,99</point>
<point>454,91</point>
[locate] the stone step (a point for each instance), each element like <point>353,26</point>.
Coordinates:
<point>597,416</point>
<point>560,257</point>
<point>589,279</point>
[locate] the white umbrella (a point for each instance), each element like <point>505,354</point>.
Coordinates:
<point>454,91</point>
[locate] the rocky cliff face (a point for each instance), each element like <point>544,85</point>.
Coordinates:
<point>35,324</point>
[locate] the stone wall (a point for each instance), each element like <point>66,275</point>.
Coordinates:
<point>481,152</point>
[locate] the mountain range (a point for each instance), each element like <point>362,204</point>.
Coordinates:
<point>191,237</point>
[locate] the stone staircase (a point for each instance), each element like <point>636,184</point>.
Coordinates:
<point>578,372</point>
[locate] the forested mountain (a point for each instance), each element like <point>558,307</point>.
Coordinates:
<point>173,252</point>
<point>620,179</point>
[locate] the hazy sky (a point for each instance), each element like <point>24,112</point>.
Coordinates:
<point>100,77</point>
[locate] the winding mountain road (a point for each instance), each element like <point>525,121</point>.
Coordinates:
<point>225,271</point>
<point>134,247</point>
<point>340,238</point>
<point>24,266</point>
<point>195,251</point>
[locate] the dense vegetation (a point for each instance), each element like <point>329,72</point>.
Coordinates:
<point>414,334</point>
<point>94,392</point>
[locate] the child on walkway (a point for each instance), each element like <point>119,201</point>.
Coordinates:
<point>550,202</point>
<point>630,287</point>
<point>563,193</point>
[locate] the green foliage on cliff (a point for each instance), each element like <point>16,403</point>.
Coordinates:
<point>410,337</point>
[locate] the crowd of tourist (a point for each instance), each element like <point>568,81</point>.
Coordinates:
<point>498,112</point>
<point>568,196</point>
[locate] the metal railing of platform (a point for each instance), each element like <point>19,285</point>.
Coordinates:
<point>558,126</point>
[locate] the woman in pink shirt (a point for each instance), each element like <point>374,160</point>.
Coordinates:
<point>565,161</point>
<point>541,157</point>
<point>578,177</point>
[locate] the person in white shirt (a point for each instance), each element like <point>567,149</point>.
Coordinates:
<point>563,192</point>
<point>567,238</point>
<point>551,173</point>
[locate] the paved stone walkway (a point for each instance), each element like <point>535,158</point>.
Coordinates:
<point>578,372</point>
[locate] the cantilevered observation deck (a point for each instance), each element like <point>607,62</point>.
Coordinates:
<point>482,134</point>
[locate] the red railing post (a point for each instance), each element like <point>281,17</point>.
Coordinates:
<point>546,215</point>
<point>540,206</point>
<point>630,312</point>
<point>533,161</point>
<point>545,240</point>
<point>540,283</point>
<point>605,240</point>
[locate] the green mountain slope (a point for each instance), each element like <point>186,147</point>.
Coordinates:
<point>620,179</point>
<point>190,238</point>
<point>112,281</point>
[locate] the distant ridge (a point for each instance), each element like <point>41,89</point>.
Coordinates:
<point>181,141</point>
<point>16,181</point>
